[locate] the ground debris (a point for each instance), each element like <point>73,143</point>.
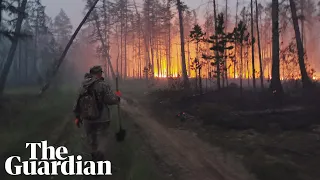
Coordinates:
<point>269,111</point>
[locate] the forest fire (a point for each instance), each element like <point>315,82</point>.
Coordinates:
<point>165,76</point>
<point>160,76</point>
<point>198,79</point>
<point>132,46</point>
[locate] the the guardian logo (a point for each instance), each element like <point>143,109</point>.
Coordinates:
<point>57,162</point>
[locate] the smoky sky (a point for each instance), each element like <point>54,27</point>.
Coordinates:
<point>75,8</point>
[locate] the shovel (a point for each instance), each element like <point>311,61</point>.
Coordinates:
<point>121,134</point>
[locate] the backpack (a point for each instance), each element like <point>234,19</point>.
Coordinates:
<point>89,105</point>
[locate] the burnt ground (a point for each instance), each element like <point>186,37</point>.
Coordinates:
<point>272,141</point>
<point>188,156</point>
<point>220,135</point>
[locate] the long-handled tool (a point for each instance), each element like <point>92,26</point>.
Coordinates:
<point>121,134</point>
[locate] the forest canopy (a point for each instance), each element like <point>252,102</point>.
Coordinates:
<point>159,39</point>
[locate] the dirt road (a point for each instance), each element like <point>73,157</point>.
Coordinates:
<point>192,158</point>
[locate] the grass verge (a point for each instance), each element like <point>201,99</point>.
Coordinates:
<point>27,118</point>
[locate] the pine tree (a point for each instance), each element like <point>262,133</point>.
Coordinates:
<point>241,37</point>
<point>181,8</point>
<point>306,81</point>
<point>275,86</point>
<point>220,43</point>
<point>63,28</point>
<point>197,36</point>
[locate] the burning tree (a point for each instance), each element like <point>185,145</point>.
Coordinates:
<point>196,66</point>
<point>148,73</point>
<point>197,36</point>
<point>241,37</point>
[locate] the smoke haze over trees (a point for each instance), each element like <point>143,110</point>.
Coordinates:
<point>146,39</point>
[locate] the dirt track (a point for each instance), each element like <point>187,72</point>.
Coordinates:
<point>193,158</point>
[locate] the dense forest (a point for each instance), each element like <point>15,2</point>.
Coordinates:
<point>210,89</point>
<point>259,42</point>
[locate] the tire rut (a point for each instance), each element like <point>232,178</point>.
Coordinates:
<point>194,158</point>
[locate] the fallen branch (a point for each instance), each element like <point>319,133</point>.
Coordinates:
<point>268,111</point>
<point>47,85</point>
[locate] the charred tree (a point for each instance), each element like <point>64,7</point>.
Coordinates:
<point>183,56</point>
<point>46,86</point>
<point>14,44</point>
<point>252,48</point>
<point>275,86</point>
<point>259,46</point>
<point>306,81</point>
<point>216,40</point>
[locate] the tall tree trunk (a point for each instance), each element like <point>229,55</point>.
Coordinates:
<point>152,55</point>
<point>275,85</point>
<point>158,59</point>
<point>302,3</point>
<point>36,50</point>
<point>119,49</point>
<point>200,80</point>
<point>226,51</point>
<point>106,35</point>
<point>197,74</point>
<point>247,66</point>
<point>168,48</point>
<point>241,68</point>
<point>189,58</point>
<point>125,40</point>
<point>1,11</point>
<point>235,47</point>
<point>183,56</point>
<point>14,43</point>
<point>20,61</point>
<point>121,42</point>
<point>46,86</point>
<point>169,51</point>
<point>26,58</point>
<point>145,38</point>
<point>104,47</point>
<point>306,81</point>
<point>259,46</point>
<point>160,56</point>
<point>252,48</point>
<point>139,52</point>
<point>216,52</point>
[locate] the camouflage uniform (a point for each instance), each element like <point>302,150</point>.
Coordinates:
<point>96,128</point>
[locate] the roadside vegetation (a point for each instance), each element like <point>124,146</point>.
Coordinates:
<point>25,117</point>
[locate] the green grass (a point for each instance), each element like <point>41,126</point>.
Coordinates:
<point>27,118</point>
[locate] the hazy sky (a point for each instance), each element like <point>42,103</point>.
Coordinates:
<point>74,8</point>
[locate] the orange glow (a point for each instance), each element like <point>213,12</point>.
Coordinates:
<point>165,76</point>
<point>161,76</point>
<point>163,67</point>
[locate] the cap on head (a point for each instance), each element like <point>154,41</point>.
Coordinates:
<point>96,70</point>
